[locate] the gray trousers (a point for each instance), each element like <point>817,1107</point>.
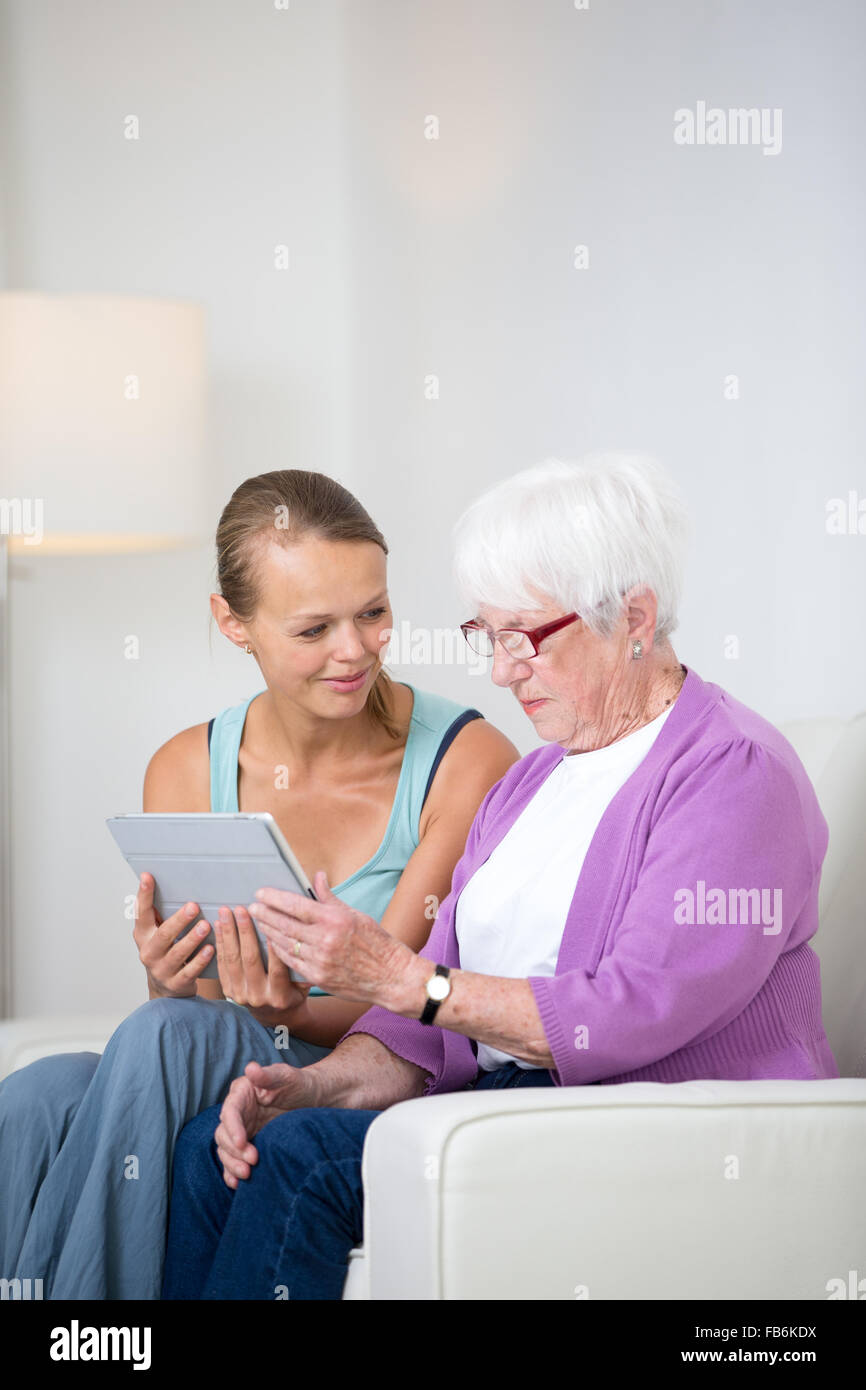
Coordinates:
<point>86,1143</point>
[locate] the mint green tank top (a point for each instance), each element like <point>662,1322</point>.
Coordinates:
<point>435,722</point>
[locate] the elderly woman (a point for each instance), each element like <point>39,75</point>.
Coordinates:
<point>635,901</point>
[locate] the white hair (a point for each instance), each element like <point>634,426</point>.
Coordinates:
<point>577,533</point>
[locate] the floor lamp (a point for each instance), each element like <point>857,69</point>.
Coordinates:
<point>102,451</point>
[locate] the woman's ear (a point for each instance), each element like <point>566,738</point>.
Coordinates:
<point>641,610</point>
<point>227,623</point>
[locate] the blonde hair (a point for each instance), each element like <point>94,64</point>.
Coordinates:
<point>285,507</point>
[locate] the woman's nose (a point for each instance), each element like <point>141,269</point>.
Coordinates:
<point>506,668</point>
<point>348,644</point>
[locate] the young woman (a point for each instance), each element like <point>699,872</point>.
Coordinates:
<point>374,782</point>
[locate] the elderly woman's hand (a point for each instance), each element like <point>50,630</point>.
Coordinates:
<point>258,1096</point>
<point>332,945</point>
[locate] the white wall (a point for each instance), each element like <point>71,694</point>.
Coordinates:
<point>556,129</point>
<point>451,257</point>
<point>241,149</point>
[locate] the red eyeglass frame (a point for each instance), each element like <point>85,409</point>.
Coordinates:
<point>535,634</point>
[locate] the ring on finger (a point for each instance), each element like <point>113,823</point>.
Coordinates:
<point>297,948</point>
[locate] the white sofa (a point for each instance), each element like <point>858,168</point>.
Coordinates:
<point>701,1190</point>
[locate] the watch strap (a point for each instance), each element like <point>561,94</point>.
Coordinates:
<point>433,1004</point>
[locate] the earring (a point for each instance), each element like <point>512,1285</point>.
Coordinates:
<point>248,649</point>
<point>637,649</point>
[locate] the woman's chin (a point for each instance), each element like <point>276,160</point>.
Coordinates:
<point>543,720</point>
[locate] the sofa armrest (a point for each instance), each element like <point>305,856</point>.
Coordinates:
<point>698,1190</point>
<point>25,1040</point>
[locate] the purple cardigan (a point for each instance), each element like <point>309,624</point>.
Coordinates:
<point>669,969</point>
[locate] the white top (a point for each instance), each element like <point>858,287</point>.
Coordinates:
<point>511,915</point>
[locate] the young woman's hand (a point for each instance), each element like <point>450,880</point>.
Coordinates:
<point>172,966</point>
<point>271,995</point>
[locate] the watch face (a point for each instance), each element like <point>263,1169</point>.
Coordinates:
<point>438,988</point>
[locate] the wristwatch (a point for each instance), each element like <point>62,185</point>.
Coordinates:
<point>438,987</point>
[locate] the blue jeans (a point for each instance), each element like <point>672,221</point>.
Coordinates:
<point>286,1232</point>
<point>86,1143</point>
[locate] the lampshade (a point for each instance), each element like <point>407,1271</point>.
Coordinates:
<point>102,422</point>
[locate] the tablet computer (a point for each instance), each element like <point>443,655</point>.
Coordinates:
<point>215,859</point>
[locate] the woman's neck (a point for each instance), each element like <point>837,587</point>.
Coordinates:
<point>306,741</point>
<point>665,692</point>
<point>654,690</point>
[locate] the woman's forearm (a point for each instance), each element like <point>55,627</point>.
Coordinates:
<point>323,1020</point>
<point>491,1009</point>
<point>363,1074</point>
<point>349,954</point>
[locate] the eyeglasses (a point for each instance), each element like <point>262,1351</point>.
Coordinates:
<point>517,641</point>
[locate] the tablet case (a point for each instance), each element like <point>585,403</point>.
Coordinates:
<point>214,859</point>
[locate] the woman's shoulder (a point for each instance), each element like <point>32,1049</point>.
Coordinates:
<point>716,727</point>
<point>515,778</point>
<point>178,775</point>
<point>463,731</point>
<point>436,712</point>
<point>476,753</point>
<point>724,767</point>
